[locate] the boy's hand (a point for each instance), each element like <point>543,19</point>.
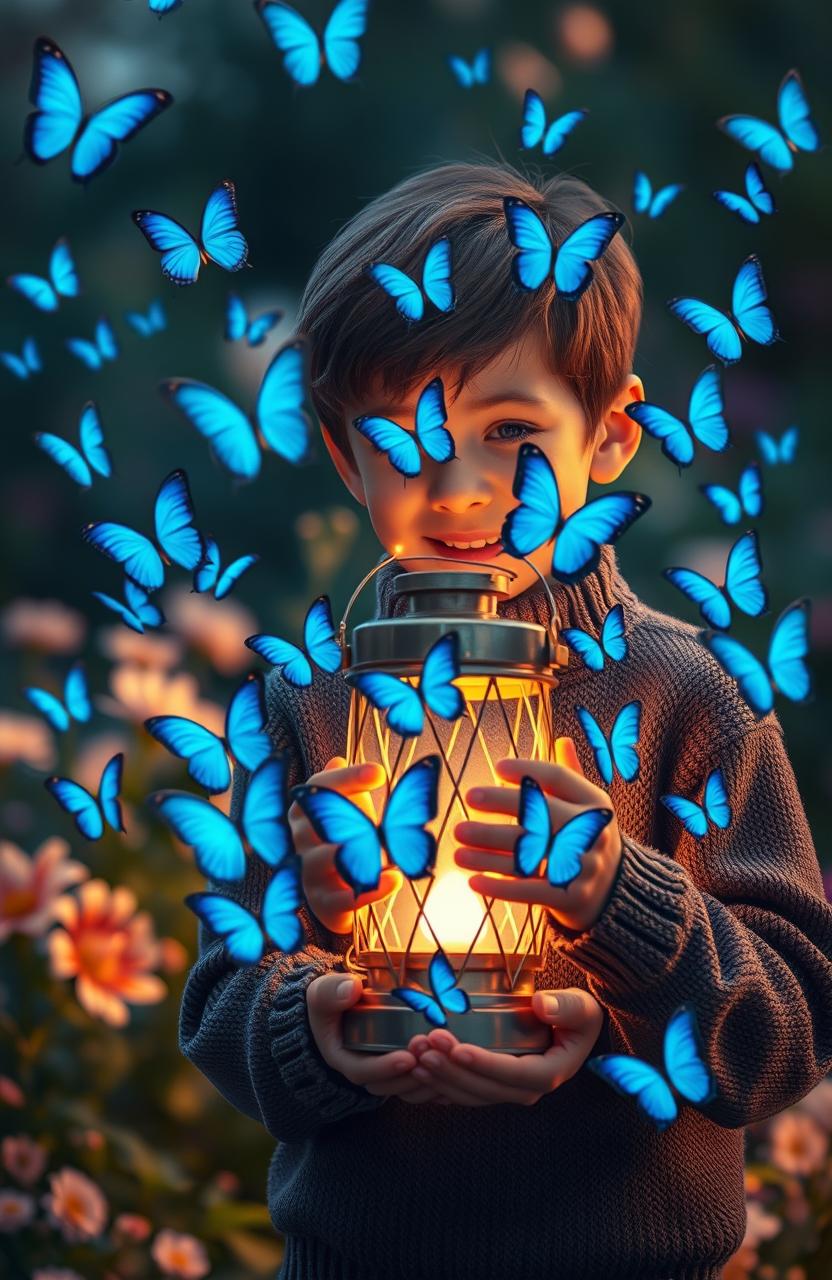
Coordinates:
<point>386,1073</point>
<point>330,898</point>
<point>470,1076</point>
<point>490,846</point>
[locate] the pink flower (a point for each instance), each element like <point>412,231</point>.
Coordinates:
<point>26,739</point>
<point>108,950</point>
<point>47,625</point>
<point>76,1205</point>
<point>180,1255</point>
<point>585,33</point>
<point>16,1210</point>
<point>56,1273</point>
<point>11,1093</point>
<point>521,67</point>
<point>132,1226</point>
<point>24,1159</point>
<point>760,1225</point>
<point>141,692</point>
<point>216,628</point>
<point>148,650</point>
<point>30,887</point>
<point>798,1144</point>
<point>818,1104</point>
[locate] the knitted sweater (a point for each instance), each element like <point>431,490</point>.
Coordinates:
<point>580,1185</point>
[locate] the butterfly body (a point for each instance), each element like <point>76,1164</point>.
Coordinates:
<point>91,812</point>
<point>774,452</point>
<point>756,203</point>
<point>210,577</point>
<point>243,933</point>
<point>25,364</point>
<point>477,71</point>
<point>654,204</point>
<point>785,669</point>
<point>98,350</point>
<point>145,324</point>
<point>239,325</point>
<point>137,611</point>
<point>748,500</point>
<point>611,644</point>
<point>742,586</point>
<point>80,463</point>
<point>750,316</point>
<point>62,283</point>
<point>537,131</point>
<point>562,850</point>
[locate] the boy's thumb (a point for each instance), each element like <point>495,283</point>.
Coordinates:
<point>565,1008</point>
<point>337,991</point>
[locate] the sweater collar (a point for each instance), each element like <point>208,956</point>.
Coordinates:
<point>584,605</point>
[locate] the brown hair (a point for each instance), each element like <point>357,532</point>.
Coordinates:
<point>356,335</point>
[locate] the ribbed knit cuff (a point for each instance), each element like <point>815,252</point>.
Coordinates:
<point>319,1089</point>
<point>640,931</point>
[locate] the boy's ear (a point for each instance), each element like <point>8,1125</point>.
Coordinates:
<point>345,467</point>
<point>619,436</point>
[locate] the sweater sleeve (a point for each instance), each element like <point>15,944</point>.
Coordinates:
<point>247,1029</point>
<point>738,925</point>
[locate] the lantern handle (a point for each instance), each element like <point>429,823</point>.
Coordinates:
<point>385,560</point>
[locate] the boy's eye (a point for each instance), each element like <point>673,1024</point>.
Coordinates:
<point>511,431</point>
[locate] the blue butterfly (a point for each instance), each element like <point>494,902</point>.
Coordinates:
<point>89,812</point>
<point>747,500</point>
<point>173,517</point>
<point>436,282</point>
<point>620,750</point>
<point>477,71</point>
<point>742,586</point>
<point>400,445</point>
<point>534,128</point>
<point>401,832</point>
<point>59,119</point>
<point>219,844</point>
<point>751,317</point>
<point>612,644</point>
<point>75,706</point>
<point>79,464</point>
<point>446,994</point>
<point>319,641</point>
<point>775,146</point>
<point>706,420</point>
<point>149,322</point>
<point>697,817</point>
<point>786,669</point>
<point>757,200</point>
<point>22,366</point>
<point>578,538</point>
<point>572,271</point>
<point>62,282</point>
<point>238,325</point>
<point>220,239</point>
<point>564,849</point>
<point>163,7</point>
<point>404,703</point>
<point>776,451</point>
<point>94,353</point>
<point>208,576</point>
<point>282,422</point>
<point>304,52</point>
<point>684,1066</point>
<point>245,737</point>
<point>242,932</point>
<point>138,612</point>
<point>645,201</point>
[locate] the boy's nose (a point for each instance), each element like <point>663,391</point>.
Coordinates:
<point>456,491</point>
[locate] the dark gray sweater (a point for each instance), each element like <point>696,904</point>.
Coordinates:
<point>581,1185</point>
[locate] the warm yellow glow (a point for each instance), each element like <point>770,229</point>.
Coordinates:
<point>398,549</point>
<point>454,912</point>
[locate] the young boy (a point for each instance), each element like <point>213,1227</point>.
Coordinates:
<point>531,1169</point>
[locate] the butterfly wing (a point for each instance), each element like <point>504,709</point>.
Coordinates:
<point>31,359</point>
<point>180,252</point>
<point>604,519</point>
<point>85,351</point>
<point>109,791</point>
<point>421,1002</point>
<point>624,740</point>
<point>742,576</point>
<point>749,304</point>
<point>133,551</point>
<point>443,984</point>
<point>534,842</point>
<point>48,705</point>
<point>173,515</point>
<point>388,437</point>
<point>293,662</point>
<point>726,502</point>
<point>264,811</point>
<point>221,237</point>
<point>294,38</point>
<point>463,74</point>
<point>788,444</point>
<point>759,136</point>
<point>613,638</point>
<point>261,327</point>
<point>66,456</point>
<point>586,646</point>
<point>281,901</point>
<point>214,838</point>
<point>105,339</point>
<point>92,441</point>
<point>787,651</point>
<point>436,275</point>
<point>532,263</point>
<point>633,1078</point>
<point>574,839</point>
<point>280,414</point>
<point>143,608</point>
<point>35,290</point>
<point>78,802</point>
<point>689,813</point>
<point>751,490</point>
<point>664,199</point>
<point>536,519</point>
<point>319,636</point>
<point>411,805</point>
<point>77,694</point>
<point>236,318</point>
<point>560,129</point>
<point>441,666</point>
<point>203,750</point>
<point>684,1059</point>
<point>54,93</point>
<point>206,573</point>
<point>534,119</point>
<point>398,698</point>
<point>642,192</point>
<point>347,24</point>
<point>97,144</point>
<point>398,285</point>
<point>716,800</point>
<point>225,426</point>
<point>758,193</point>
<point>230,921</point>
<point>719,329</point>
<point>597,742</point>
<point>794,114</point>
<point>741,664</point>
<point>338,821</point>
<point>431,432</point>
<point>738,204</point>
<point>664,426</point>
<point>712,603</point>
<point>573,273</point>
<point>706,411</point>
<point>232,574</point>
<point>245,724</point>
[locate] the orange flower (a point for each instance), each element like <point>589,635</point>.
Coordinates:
<point>24,1159</point>
<point>216,628</point>
<point>798,1144</point>
<point>180,1255</point>
<point>26,739</point>
<point>30,887</point>
<point>107,949</point>
<point>76,1205</point>
<point>148,650</point>
<point>47,625</point>
<point>16,1211</point>
<point>132,1226</point>
<point>141,692</point>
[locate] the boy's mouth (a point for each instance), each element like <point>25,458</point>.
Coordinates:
<point>476,546</point>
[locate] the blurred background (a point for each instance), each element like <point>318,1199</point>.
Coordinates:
<point>116,1159</point>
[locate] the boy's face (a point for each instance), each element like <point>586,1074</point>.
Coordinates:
<point>513,399</point>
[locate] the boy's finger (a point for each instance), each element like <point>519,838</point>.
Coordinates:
<point>566,754</point>
<point>502,835</point>
<point>555,779</point>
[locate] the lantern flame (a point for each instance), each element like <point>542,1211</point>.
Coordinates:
<point>454,912</point>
